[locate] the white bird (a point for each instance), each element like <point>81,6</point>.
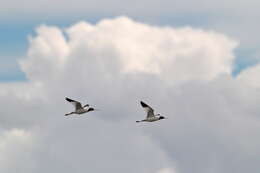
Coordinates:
<point>150,114</point>
<point>79,109</point>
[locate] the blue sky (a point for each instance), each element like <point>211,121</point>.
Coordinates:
<point>182,71</point>
<point>14,43</point>
<point>13,46</point>
<point>14,32</point>
<point>237,19</point>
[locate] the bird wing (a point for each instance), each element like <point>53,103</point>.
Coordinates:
<point>147,109</point>
<point>75,103</point>
<point>87,105</point>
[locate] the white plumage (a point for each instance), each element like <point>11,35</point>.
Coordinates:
<point>79,109</point>
<point>150,117</point>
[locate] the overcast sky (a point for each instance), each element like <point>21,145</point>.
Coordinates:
<point>195,62</point>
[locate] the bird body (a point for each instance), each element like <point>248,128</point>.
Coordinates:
<point>151,117</point>
<point>79,109</point>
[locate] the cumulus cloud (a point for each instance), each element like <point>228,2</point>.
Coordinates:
<point>222,16</point>
<point>123,46</point>
<point>184,73</point>
<point>250,76</point>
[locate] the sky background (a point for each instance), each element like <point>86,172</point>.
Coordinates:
<point>195,62</point>
<point>237,19</point>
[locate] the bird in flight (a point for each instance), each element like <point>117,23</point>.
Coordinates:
<point>79,109</point>
<point>150,117</point>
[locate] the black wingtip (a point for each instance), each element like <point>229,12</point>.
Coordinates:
<point>143,104</point>
<point>68,99</point>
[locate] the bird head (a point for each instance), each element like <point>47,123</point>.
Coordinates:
<point>161,117</point>
<point>91,109</point>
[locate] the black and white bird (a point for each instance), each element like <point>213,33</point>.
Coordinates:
<point>150,117</point>
<point>79,109</point>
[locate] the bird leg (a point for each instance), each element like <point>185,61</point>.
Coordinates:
<point>69,114</point>
<point>140,121</point>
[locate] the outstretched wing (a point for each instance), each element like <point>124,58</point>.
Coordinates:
<point>147,109</point>
<point>75,103</point>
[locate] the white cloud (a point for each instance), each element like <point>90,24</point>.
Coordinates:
<point>13,136</point>
<point>212,127</point>
<point>183,73</point>
<point>175,55</point>
<point>250,76</point>
<point>167,170</point>
<point>228,17</point>
<point>51,48</point>
<point>15,148</point>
